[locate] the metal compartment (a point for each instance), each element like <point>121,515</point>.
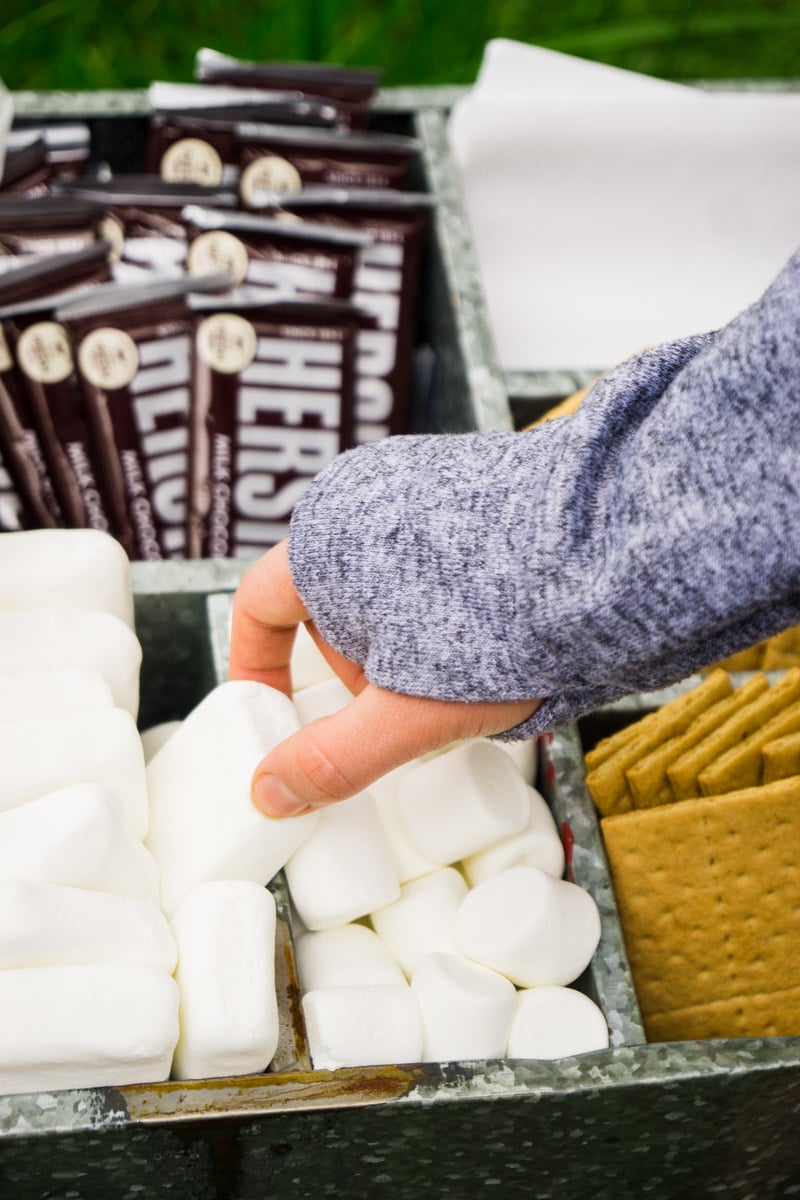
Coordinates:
<point>667,1120</point>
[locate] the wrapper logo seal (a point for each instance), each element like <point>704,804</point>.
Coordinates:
<point>217,251</point>
<point>108,358</point>
<point>43,352</point>
<point>226,342</point>
<point>269,173</point>
<point>191,160</point>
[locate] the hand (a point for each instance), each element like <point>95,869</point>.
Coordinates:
<point>337,756</point>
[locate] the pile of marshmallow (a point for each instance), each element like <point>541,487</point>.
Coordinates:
<point>137,936</point>
<point>433,920</point>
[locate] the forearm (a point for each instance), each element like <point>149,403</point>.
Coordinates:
<point>610,552</point>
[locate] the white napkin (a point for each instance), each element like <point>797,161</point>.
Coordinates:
<point>611,211</point>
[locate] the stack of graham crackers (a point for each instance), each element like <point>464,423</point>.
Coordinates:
<point>700,808</point>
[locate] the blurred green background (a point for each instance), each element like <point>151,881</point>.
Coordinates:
<point>78,44</point>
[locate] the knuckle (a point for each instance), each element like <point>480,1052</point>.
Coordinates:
<point>324,775</point>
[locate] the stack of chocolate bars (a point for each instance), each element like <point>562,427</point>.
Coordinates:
<point>183,348</point>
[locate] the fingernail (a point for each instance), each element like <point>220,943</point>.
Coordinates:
<point>271,795</point>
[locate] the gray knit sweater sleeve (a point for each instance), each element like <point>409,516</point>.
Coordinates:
<point>612,551</point>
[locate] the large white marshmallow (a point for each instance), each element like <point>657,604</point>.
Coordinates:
<point>344,956</point>
<point>458,803</point>
<point>157,736</point>
<point>423,918</point>
<point>203,823</point>
<point>225,933</point>
<point>65,568</point>
<point>86,1026</point>
<point>408,861</point>
<point>538,845</point>
<point>553,1022</point>
<point>524,755</point>
<point>48,925</point>
<point>345,868</point>
<point>533,928</point>
<point>42,639</point>
<point>321,700</point>
<point>99,745</point>
<point>362,1026</point>
<point>77,836</point>
<point>307,665</point>
<point>36,693</point>
<point>466,1008</point>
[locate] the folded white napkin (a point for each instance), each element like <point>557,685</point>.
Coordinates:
<point>611,211</point>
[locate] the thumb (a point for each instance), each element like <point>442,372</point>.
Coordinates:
<point>337,756</point>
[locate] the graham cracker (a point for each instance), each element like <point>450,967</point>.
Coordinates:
<point>608,784</point>
<point>781,758</point>
<point>741,766</point>
<point>769,1014</point>
<point>609,746</point>
<point>750,659</point>
<point>708,893</point>
<point>648,779</point>
<point>685,771</point>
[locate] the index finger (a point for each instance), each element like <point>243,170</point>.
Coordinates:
<point>266,612</point>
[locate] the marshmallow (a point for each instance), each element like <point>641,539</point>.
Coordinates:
<point>307,664</point>
<point>408,861</point>
<point>99,745</point>
<point>466,1008</point>
<point>42,639</point>
<point>77,837</point>
<point>225,932</point>
<point>203,824</point>
<point>344,956</point>
<point>423,919</point>
<point>47,925</point>
<point>65,568</point>
<point>36,693</point>
<point>87,1026</point>
<point>458,803</point>
<point>524,755</point>
<point>321,700</point>
<point>531,927</point>
<point>157,736</point>
<point>345,868</point>
<point>362,1026</point>
<point>553,1022</point>
<point>538,845</point>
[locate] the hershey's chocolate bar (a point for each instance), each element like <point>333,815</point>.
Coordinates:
<point>43,429</point>
<point>284,159</point>
<point>279,258</point>
<point>48,224</point>
<point>273,390</point>
<point>133,356</point>
<point>386,285</point>
<point>352,89</point>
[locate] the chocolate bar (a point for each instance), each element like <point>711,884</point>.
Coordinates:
<point>132,351</point>
<point>273,390</point>
<point>352,89</point>
<point>278,257</point>
<point>386,285</point>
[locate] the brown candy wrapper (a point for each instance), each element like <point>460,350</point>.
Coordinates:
<point>273,394</point>
<point>351,89</point>
<point>44,436</point>
<point>48,225</point>
<point>386,285</point>
<point>132,351</point>
<point>279,258</point>
<point>274,158</point>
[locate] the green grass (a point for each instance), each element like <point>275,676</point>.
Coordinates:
<point>62,44</point>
